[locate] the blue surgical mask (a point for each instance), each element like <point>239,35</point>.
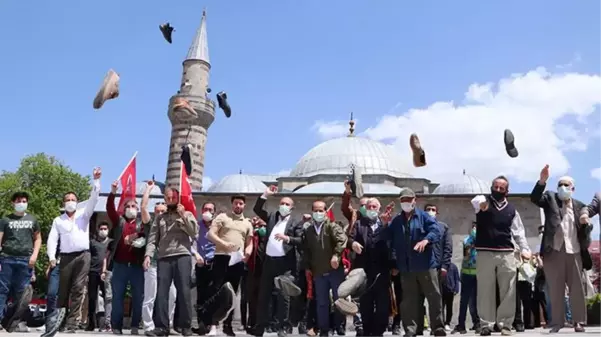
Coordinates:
<point>362,211</point>
<point>473,232</point>
<point>319,216</point>
<point>261,231</point>
<point>371,214</point>
<point>564,193</point>
<point>20,207</point>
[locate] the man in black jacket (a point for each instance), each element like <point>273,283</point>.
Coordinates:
<point>283,235</point>
<point>564,248</point>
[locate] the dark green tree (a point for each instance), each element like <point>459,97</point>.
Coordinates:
<point>46,179</point>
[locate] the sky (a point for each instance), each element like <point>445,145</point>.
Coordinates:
<point>456,73</point>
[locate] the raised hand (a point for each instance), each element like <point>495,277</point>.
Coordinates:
<point>544,174</point>
<point>97,173</point>
<point>271,190</point>
<point>347,186</point>
<point>114,186</point>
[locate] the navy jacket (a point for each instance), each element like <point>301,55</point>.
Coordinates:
<point>444,249</point>
<point>376,255</point>
<point>452,281</point>
<point>421,226</point>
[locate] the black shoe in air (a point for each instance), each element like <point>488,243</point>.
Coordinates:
<point>509,144</point>
<point>223,104</point>
<point>167,31</point>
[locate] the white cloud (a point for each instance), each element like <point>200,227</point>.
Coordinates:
<point>332,129</point>
<point>282,173</point>
<point>206,183</point>
<point>596,173</point>
<point>534,105</point>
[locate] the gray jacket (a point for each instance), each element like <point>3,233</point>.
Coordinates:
<point>553,208</point>
<point>171,235</point>
<point>593,208</point>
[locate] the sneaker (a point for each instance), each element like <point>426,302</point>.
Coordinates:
<point>212,331</point>
<point>223,105</point>
<point>458,329</point>
<point>346,307</point>
<point>356,182</point>
<point>485,331</point>
<point>167,31</point>
<point>510,144</point>
<point>447,328</point>
<point>20,308</point>
<point>353,282</point>
<point>419,156</point>
<point>108,90</point>
<point>506,331</point>
<point>181,104</point>
<point>285,284</point>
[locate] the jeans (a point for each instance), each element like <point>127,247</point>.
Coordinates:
<point>469,291</point>
<point>52,293</point>
<point>15,275</point>
<point>323,284</point>
<point>122,275</point>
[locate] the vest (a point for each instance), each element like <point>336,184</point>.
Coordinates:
<point>493,228</point>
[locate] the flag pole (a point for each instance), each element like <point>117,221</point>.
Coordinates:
<point>332,205</point>
<point>126,166</point>
<point>181,168</point>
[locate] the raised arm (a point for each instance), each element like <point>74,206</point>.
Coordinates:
<point>52,242</point>
<point>519,234</point>
<point>94,194</point>
<point>153,237</point>
<point>537,195</point>
<point>111,211</point>
<point>259,208</point>
<point>345,206</point>
<point>144,204</point>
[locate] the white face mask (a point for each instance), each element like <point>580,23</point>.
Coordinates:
<point>432,214</point>
<point>103,233</point>
<point>131,213</point>
<point>564,193</point>
<point>20,207</point>
<point>207,216</point>
<point>70,206</point>
<point>407,206</point>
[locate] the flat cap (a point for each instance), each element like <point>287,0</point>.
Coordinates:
<point>407,193</point>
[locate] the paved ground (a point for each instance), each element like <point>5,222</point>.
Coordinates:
<point>530,333</point>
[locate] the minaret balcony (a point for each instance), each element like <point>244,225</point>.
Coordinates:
<point>203,105</point>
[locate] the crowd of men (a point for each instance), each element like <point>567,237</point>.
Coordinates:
<point>299,270</point>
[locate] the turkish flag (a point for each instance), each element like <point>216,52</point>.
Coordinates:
<point>128,185</point>
<point>330,213</point>
<point>185,189</point>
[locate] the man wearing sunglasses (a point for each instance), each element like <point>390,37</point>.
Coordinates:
<point>564,247</point>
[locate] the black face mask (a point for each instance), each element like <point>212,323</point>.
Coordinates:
<point>172,208</point>
<point>498,196</point>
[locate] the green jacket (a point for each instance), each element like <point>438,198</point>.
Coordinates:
<point>320,247</point>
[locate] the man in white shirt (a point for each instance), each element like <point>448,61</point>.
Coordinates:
<point>73,231</point>
<point>284,233</point>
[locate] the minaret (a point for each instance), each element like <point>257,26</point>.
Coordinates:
<point>194,85</point>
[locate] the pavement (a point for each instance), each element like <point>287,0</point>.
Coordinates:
<point>590,331</point>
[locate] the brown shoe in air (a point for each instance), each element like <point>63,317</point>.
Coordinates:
<point>419,156</point>
<point>182,104</point>
<point>108,90</point>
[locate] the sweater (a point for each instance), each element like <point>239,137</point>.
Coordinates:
<point>493,227</point>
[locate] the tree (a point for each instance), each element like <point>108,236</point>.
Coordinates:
<point>46,179</point>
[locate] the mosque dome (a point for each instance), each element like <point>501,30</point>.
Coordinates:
<point>336,155</point>
<point>238,183</point>
<point>157,189</point>
<point>466,185</point>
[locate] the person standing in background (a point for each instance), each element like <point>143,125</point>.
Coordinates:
<point>469,285</point>
<point>206,251</point>
<point>98,248</point>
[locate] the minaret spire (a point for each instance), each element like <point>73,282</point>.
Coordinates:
<point>351,129</point>
<point>199,50</point>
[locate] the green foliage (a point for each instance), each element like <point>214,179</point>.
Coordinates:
<point>46,179</point>
<point>593,300</point>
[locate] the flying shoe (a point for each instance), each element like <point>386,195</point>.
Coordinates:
<point>509,144</point>
<point>167,31</point>
<point>223,105</point>
<point>108,90</point>
<point>419,156</point>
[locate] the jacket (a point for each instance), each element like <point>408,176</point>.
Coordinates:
<point>443,251</point>
<point>592,209</point>
<point>375,256</point>
<point>421,226</point>
<point>294,227</point>
<point>320,247</point>
<point>553,208</point>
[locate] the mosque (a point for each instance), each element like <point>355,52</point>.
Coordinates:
<point>320,173</point>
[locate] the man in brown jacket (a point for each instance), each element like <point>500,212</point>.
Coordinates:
<point>324,243</point>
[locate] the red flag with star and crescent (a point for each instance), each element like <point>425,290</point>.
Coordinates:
<point>185,189</point>
<point>128,184</point>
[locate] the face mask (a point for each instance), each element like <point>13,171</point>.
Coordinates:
<point>284,210</point>
<point>20,207</point>
<point>207,216</point>
<point>171,207</point>
<point>319,216</point>
<point>564,193</point>
<point>473,232</point>
<point>70,206</point>
<point>432,214</point>
<point>498,196</point>
<point>261,231</point>
<point>371,214</point>
<point>131,213</point>
<point>407,206</point>
<point>103,233</point>
<point>362,211</point>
